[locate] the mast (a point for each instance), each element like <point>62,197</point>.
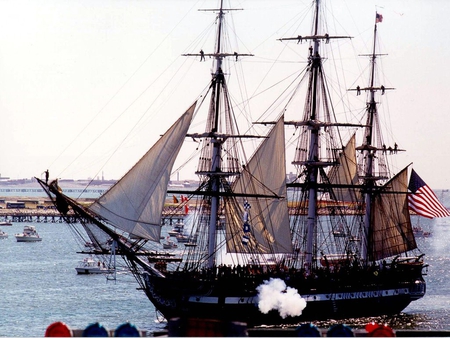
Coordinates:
<point>370,147</point>
<point>313,156</point>
<point>315,123</point>
<point>217,146</point>
<point>215,171</point>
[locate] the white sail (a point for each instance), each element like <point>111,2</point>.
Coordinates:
<point>265,174</point>
<point>134,204</point>
<point>346,173</point>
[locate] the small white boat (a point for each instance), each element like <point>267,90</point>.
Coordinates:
<point>5,223</point>
<point>91,266</point>
<point>179,224</point>
<point>182,238</point>
<point>29,234</point>
<point>419,232</point>
<point>169,244</point>
<point>174,232</point>
<point>3,234</point>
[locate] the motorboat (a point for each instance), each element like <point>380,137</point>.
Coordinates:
<point>169,244</point>
<point>174,232</point>
<point>3,234</point>
<point>91,266</point>
<point>181,238</point>
<point>419,232</point>
<point>29,234</point>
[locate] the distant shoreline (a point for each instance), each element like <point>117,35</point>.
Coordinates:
<point>27,183</point>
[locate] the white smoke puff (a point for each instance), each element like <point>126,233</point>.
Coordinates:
<point>274,295</point>
<point>269,294</point>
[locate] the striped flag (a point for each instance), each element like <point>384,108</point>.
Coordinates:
<point>422,200</point>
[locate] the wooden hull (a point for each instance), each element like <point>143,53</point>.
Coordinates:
<point>236,299</point>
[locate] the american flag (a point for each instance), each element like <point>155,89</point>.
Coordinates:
<point>378,18</point>
<point>422,200</point>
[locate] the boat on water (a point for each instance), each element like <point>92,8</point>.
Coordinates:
<point>175,232</point>
<point>5,223</point>
<point>182,238</point>
<point>419,232</point>
<point>169,244</point>
<point>89,266</point>
<point>253,250</point>
<point>29,234</point>
<point>177,229</point>
<point>3,234</point>
<point>179,224</point>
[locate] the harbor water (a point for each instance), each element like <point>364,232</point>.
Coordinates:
<point>40,286</point>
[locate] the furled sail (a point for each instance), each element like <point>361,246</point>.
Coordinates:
<point>268,220</point>
<point>391,230</point>
<point>134,204</point>
<point>346,173</point>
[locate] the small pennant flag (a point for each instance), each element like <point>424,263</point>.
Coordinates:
<point>245,240</point>
<point>378,18</point>
<point>246,227</point>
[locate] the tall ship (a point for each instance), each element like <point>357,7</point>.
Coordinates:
<point>336,241</point>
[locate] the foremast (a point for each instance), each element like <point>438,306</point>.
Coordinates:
<point>211,165</point>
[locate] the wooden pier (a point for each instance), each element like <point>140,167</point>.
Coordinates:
<point>50,215</point>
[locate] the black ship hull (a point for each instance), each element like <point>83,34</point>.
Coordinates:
<point>235,298</point>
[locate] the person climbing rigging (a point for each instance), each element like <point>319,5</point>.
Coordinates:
<point>202,55</point>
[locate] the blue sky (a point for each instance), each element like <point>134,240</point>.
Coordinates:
<point>69,69</point>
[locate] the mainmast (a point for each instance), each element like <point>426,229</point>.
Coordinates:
<point>315,122</point>
<point>218,81</point>
<point>313,157</point>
